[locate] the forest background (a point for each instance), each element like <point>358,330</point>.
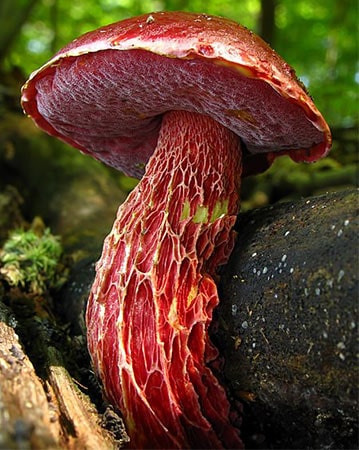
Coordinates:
<point>319,38</point>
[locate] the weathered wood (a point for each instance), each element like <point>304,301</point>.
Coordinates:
<point>78,416</point>
<point>288,323</point>
<point>27,419</point>
<point>47,411</point>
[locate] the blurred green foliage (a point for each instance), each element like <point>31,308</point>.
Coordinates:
<point>318,38</point>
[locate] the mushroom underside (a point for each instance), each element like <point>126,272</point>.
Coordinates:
<point>110,104</point>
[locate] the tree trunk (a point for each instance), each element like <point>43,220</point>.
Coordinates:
<point>267,21</point>
<point>13,15</point>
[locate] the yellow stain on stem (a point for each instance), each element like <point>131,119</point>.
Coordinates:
<point>201,214</point>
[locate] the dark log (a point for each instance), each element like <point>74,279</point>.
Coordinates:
<point>288,323</point>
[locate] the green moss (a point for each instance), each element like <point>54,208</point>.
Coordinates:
<point>30,259</point>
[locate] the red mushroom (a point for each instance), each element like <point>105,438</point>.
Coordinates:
<point>192,99</point>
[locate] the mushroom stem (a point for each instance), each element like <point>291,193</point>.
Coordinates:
<point>154,292</point>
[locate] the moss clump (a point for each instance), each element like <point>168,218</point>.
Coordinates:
<point>30,260</point>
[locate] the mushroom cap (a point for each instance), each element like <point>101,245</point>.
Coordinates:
<point>105,93</point>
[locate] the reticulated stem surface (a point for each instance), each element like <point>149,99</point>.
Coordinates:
<point>154,292</point>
